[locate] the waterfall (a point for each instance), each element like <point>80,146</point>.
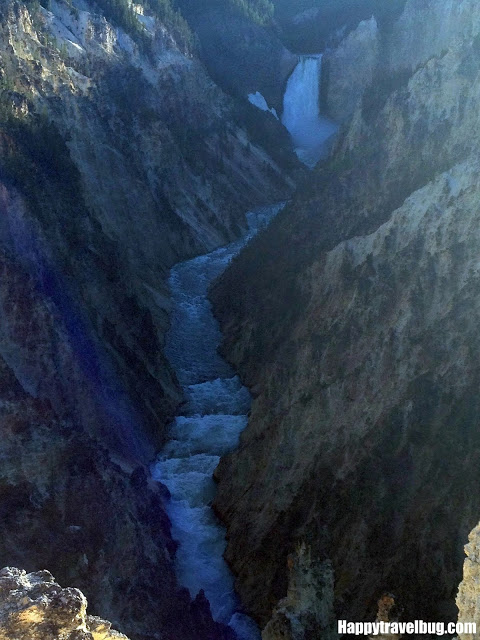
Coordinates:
<point>311,133</point>
<point>209,426</point>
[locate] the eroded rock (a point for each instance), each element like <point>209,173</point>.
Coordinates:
<point>468,597</point>
<point>34,607</point>
<point>308,607</point>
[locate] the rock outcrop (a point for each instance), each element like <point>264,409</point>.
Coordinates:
<point>34,607</point>
<point>369,60</point>
<point>309,599</point>
<point>468,592</point>
<point>309,26</point>
<point>361,348</point>
<point>444,26</point>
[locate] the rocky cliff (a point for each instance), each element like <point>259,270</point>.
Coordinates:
<point>351,67</point>
<point>353,320</point>
<point>311,26</point>
<point>35,607</point>
<point>467,596</point>
<point>160,168</point>
<point>119,156</point>
<point>227,35</point>
<point>67,500</point>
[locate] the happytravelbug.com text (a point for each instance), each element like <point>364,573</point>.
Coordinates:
<point>418,627</point>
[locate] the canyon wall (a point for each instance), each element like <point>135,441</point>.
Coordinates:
<point>311,26</point>
<point>161,169</point>
<point>73,495</point>
<point>227,35</point>
<point>119,157</point>
<point>350,69</point>
<point>353,320</point>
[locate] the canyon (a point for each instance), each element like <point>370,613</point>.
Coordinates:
<point>329,451</point>
<point>353,322</point>
<point>117,162</point>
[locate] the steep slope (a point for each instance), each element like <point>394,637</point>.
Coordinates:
<point>232,31</point>
<point>119,156</point>
<point>160,169</point>
<point>70,501</point>
<point>353,319</point>
<point>310,26</point>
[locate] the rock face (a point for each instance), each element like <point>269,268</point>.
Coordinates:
<point>446,26</point>
<point>34,607</point>
<point>468,593</point>
<point>96,521</point>
<point>309,600</point>
<point>361,348</point>
<point>226,37</point>
<point>160,167</point>
<point>369,60</point>
<point>119,156</point>
<point>309,26</point>
<point>351,68</point>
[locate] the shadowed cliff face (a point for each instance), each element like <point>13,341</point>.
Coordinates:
<point>310,26</point>
<point>227,36</point>
<point>66,501</point>
<point>354,322</point>
<point>115,163</point>
<point>155,169</point>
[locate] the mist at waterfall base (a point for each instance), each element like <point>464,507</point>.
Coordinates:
<point>211,420</point>
<point>311,133</point>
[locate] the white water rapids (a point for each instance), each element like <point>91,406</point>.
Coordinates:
<point>210,423</point>
<point>311,133</point>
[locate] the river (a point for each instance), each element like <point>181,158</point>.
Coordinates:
<point>208,426</point>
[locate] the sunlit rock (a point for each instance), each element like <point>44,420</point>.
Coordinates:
<point>34,607</point>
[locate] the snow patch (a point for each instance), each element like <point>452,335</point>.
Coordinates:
<point>259,101</point>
